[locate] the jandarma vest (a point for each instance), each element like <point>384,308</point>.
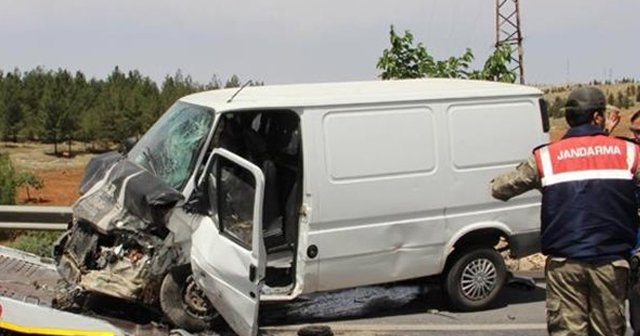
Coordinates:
<point>588,199</point>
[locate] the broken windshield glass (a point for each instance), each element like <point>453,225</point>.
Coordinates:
<point>170,148</point>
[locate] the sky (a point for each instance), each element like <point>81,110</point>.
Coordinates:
<point>297,41</point>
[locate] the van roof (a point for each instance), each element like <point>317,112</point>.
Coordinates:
<point>327,94</point>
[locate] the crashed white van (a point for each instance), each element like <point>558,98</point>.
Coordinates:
<point>235,197</point>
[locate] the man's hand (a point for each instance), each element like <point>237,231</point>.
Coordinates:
<point>613,118</point>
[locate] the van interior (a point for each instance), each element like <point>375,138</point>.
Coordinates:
<point>271,140</point>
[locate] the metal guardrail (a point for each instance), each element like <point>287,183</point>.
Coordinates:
<point>34,217</point>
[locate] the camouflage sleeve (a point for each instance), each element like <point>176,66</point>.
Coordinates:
<point>522,179</point>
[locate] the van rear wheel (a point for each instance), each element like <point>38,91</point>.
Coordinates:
<point>184,304</point>
<point>475,278</point>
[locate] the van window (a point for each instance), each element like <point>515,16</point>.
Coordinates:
<point>378,143</point>
<point>492,134</point>
<point>236,188</point>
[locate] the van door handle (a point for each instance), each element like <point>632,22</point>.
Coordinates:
<point>252,273</point>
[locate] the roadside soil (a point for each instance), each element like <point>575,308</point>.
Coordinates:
<point>61,174</point>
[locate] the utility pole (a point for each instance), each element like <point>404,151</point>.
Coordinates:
<point>508,32</point>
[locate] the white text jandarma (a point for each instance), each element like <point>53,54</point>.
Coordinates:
<point>588,151</point>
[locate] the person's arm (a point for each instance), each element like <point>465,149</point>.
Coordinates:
<point>522,179</point>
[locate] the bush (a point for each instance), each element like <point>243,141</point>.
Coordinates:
<point>28,180</point>
<point>556,110</point>
<point>36,242</point>
<point>7,181</point>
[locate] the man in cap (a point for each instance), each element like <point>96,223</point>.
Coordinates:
<point>589,218</point>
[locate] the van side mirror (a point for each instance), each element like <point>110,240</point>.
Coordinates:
<point>203,200</point>
<point>198,202</point>
<point>128,143</point>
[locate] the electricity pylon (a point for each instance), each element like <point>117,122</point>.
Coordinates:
<point>508,32</point>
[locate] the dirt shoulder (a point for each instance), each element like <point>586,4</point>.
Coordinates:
<point>61,174</point>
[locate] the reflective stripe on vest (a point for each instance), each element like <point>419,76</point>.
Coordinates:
<point>586,158</point>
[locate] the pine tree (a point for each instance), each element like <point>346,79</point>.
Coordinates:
<point>12,109</point>
<point>7,181</point>
<point>34,84</point>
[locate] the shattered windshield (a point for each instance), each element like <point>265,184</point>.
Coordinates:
<point>170,148</point>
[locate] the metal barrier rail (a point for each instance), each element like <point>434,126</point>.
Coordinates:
<point>34,217</point>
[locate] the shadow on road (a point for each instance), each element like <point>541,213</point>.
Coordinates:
<point>382,301</point>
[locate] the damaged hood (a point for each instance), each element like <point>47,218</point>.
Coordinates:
<point>118,194</point>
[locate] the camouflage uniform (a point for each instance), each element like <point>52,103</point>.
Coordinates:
<point>582,298</point>
<point>586,299</point>
<point>634,308</point>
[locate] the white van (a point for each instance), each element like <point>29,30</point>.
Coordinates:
<point>295,189</point>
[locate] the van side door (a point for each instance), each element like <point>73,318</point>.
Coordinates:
<point>227,253</point>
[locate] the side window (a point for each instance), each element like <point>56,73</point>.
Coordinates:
<point>232,200</point>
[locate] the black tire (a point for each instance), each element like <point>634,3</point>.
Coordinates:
<point>173,296</point>
<point>475,278</point>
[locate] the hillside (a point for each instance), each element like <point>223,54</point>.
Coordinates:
<point>625,96</point>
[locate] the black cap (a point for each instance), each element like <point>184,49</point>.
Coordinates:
<point>582,104</point>
<point>586,99</point>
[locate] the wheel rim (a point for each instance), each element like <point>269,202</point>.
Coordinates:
<point>478,279</point>
<point>196,303</point>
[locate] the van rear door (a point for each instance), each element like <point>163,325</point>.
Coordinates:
<point>228,255</point>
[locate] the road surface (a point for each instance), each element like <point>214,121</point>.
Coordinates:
<point>402,309</point>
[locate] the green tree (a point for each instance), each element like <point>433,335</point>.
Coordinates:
<point>233,82</point>
<point>28,180</point>
<point>34,83</point>
<point>214,83</point>
<point>89,122</point>
<point>556,110</point>
<point>60,120</point>
<point>2,108</point>
<point>622,100</point>
<point>7,181</point>
<point>175,87</point>
<point>149,95</point>
<point>110,117</point>
<point>496,67</point>
<point>404,60</point>
<point>12,109</point>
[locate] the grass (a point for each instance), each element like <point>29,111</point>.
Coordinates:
<point>36,242</point>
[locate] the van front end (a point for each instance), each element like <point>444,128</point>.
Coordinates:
<point>119,243</point>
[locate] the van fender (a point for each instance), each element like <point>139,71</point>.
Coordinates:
<point>448,247</point>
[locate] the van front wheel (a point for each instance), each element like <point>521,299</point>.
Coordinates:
<point>184,304</point>
<point>475,278</point>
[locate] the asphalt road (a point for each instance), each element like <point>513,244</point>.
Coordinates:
<point>410,309</point>
<point>402,309</point>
